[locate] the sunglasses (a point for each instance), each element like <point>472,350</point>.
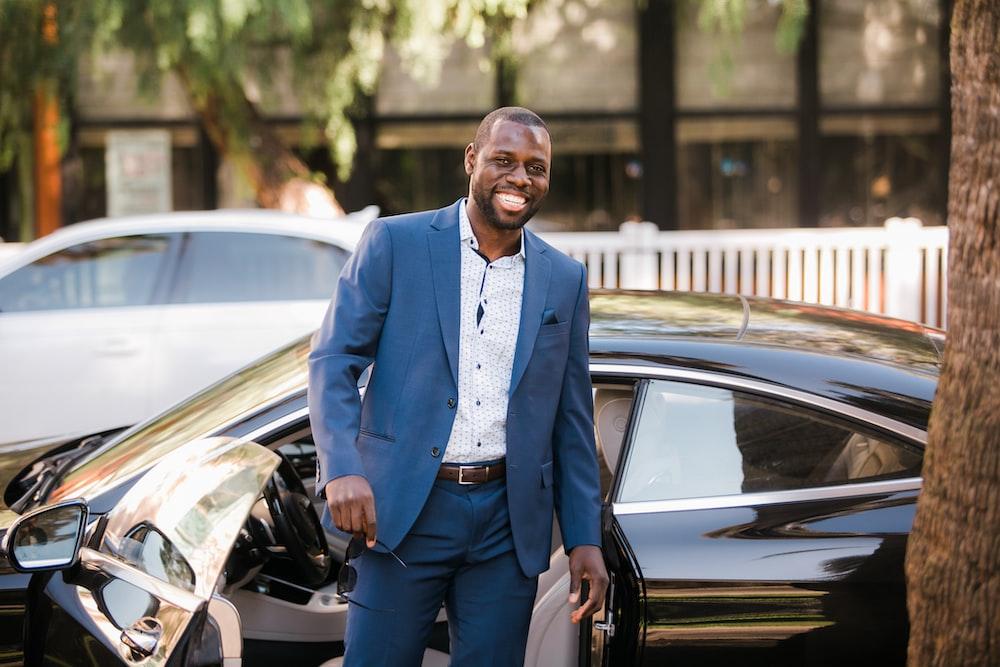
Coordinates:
<point>347,578</point>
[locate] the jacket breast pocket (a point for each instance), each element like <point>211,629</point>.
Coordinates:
<point>547,475</point>
<point>553,329</point>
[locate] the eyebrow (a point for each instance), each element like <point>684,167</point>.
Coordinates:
<point>537,157</point>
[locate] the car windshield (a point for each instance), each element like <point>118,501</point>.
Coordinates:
<point>201,415</point>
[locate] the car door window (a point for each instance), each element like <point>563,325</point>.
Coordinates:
<point>225,267</point>
<point>105,273</point>
<point>695,441</point>
<point>149,550</point>
<point>124,603</point>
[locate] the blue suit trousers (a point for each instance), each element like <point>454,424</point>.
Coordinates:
<point>459,552</point>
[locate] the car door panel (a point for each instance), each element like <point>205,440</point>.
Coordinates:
<point>773,584</point>
<point>69,367</point>
<point>616,631</point>
<point>89,622</point>
<point>13,601</point>
<point>778,561</point>
<point>141,592</point>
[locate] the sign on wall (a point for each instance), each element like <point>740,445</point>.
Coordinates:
<point>138,172</point>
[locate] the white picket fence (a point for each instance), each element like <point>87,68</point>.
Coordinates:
<point>899,270</point>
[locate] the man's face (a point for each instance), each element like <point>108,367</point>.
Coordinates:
<point>509,174</point>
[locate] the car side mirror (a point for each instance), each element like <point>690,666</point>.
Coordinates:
<point>48,538</point>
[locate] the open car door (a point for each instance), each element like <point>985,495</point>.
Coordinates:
<point>143,590</point>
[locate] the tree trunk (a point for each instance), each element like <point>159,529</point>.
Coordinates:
<point>279,178</point>
<point>953,557</point>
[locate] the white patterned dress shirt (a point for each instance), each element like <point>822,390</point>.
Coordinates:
<point>490,320</point>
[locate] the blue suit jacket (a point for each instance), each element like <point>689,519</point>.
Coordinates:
<point>397,305</point>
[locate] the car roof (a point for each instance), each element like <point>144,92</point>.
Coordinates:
<point>880,364</point>
<point>344,231</point>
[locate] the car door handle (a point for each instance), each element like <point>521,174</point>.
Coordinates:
<point>142,637</point>
<point>118,346</point>
<point>607,626</point>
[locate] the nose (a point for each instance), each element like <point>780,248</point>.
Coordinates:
<point>518,176</point>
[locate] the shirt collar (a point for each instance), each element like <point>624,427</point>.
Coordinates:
<point>466,234</point>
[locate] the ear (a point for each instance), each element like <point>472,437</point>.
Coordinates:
<point>470,159</point>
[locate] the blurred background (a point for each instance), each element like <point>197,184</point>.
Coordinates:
<point>694,116</point>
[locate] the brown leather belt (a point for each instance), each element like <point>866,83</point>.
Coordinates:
<point>471,474</point>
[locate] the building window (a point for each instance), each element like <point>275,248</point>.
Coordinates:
<point>420,164</point>
<point>881,166</point>
<point>465,85</point>
<point>737,145</point>
<point>744,72</point>
<point>595,172</point>
<point>876,59</point>
<point>417,179</point>
<point>578,56</point>
<point>736,173</point>
<point>596,176</point>
<point>879,53</point>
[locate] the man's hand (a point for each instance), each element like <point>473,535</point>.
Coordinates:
<point>352,506</point>
<point>586,562</point>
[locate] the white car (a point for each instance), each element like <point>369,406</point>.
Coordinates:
<point>8,249</point>
<point>105,323</point>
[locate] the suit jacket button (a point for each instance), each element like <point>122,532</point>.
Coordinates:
<point>435,452</point>
<point>451,402</point>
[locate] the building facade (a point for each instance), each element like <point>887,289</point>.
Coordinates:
<point>652,115</point>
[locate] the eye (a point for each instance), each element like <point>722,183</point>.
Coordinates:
<point>538,169</point>
<point>503,160</point>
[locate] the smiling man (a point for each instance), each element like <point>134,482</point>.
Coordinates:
<point>476,423</point>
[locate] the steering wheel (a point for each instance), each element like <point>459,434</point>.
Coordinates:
<point>297,525</point>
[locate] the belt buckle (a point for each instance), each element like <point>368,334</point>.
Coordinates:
<point>461,474</point>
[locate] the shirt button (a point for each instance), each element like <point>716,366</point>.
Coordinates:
<point>479,444</point>
<point>478,366</point>
<point>477,402</point>
<point>451,402</point>
<point>435,452</point>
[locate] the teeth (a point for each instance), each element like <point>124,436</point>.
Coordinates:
<point>511,199</point>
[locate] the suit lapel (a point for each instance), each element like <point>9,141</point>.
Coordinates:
<point>446,267</point>
<point>537,268</point>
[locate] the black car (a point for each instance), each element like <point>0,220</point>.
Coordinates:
<point>760,459</point>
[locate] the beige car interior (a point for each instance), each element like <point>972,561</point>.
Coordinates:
<point>862,457</point>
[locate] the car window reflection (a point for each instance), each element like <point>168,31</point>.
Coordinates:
<point>124,603</point>
<point>106,273</point>
<point>231,267</point>
<point>197,417</point>
<point>696,441</point>
<point>147,549</point>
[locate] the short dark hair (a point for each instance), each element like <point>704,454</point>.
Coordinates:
<point>514,114</point>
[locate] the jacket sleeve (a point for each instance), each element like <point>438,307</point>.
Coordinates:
<point>577,481</point>
<point>342,349</point>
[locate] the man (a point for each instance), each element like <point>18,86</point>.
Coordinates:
<point>477,420</point>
